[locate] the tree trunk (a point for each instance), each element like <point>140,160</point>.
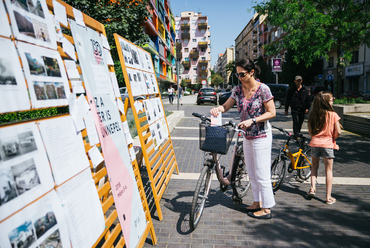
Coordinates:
<point>339,86</point>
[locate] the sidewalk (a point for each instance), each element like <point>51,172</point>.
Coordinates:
<point>297,221</point>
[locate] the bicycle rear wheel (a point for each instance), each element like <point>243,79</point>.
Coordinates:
<point>278,171</point>
<point>200,196</point>
<point>304,173</point>
<point>242,182</point>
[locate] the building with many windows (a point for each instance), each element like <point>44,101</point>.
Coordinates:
<point>221,63</point>
<point>193,46</point>
<point>161,30</point>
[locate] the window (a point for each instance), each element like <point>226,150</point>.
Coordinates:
<point>202,31</point>
<point>187,77</point>
<point>195,59</point>
<point>193,22</point>
<point>186,59</point>
<point>194,68</point>
<point>178,40</point>
<point>194,40</point>
<point>204,67</point>
<point>202,49</point>
<point>186,50</point>
<point>177,32</point>
<point>185,22</point>
<point>194,76</point>
<point>204,76</point>
<point>203,58</point>
<point>186,41</point>
<point>331,62</point>
<point>193,31</point>
<point>354,57</point>
<point>177,23</point>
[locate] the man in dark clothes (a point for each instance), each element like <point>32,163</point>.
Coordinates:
<point>299,102</point>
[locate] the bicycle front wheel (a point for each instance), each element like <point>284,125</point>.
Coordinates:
<point>200,196</point>
<point>242,182</point>
<point>305,173</point>
<point>278,171</point>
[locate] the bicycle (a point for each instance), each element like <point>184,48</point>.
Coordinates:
<point>298,161</point>
<point>215,141</point>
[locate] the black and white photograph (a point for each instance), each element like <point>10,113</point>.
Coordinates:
<point>7,76</point>
<point>34,6</point>
<point>54,240</point>
<point>16,145</point>
<point>25,176</point>
<point>21,4</point>
<point>13,90</point>
<point>135,57</point>
<point>8,189</point>
<point>41,30</point>
<point>36,65</point>
<point>23,236</point>
<point>44,223</point>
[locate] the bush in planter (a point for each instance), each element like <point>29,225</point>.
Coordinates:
<point>188,90</point>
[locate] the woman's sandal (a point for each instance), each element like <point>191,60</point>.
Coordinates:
<point>331,201</point>
<point>311,192</point>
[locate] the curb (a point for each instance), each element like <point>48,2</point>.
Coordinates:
<point>172,121</point>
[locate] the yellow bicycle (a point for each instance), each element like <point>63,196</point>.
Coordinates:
<point>298,161</point>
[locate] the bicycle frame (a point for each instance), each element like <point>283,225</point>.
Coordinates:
<point>294,158</point>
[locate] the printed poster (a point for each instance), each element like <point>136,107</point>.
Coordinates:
<point>108,124</point>
<point>137,82</point>
<point>13,89</point>
<point>45,74</point>
<point>32,22</point>
<point>65,148</point>
<point>41,224</point>
<point>25,173</point>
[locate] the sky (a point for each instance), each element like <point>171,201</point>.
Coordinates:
<point>227,19</point>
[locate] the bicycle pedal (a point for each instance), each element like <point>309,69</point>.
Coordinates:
<point>290,169</point>
<point>237,200</point>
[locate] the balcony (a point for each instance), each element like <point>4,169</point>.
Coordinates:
<point>203,72</point>
<point>202,25</point>
<point>185,36</point>
<point>194,54</point>
<point>203,44</point>
<point>186,63</point>
<point>178,45</point>
<point>188,81</point>
<point>185,26</point>
<point>203,62</point>
<point>179,55</point>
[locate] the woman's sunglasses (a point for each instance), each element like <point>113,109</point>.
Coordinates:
<point>241,74</point>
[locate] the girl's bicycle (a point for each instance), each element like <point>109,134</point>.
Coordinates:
<point>298,161</point>
<point>215,141</point>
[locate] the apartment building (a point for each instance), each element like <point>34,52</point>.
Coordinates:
<point>193,48</point>
<point>161,30</point>
<point>246,43</point>
<point>221,63</point>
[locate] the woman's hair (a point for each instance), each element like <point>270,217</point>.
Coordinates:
<point>317,117</point>
<point>248,65</point>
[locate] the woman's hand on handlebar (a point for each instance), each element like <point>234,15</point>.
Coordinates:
<point>245,124</point>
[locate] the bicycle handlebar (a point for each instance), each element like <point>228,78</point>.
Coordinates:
<point>282,130</point>
<point>230,123</point>
<point>298,138</point>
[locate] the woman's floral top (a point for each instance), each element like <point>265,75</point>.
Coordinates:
<point>252,108</point>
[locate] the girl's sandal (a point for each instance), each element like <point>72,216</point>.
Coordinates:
<point>331,201</point>
<point>311,192</point>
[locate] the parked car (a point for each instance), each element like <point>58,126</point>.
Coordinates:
<point>366,96</point>
<point>223,97</point>
<point>124,94</point>
<point>352,94</point>
<point>207,95</point>
<point>280,92</point>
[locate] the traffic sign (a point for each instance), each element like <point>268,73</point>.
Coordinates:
<point>204,82</point>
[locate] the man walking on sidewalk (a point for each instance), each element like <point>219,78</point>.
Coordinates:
<point>170,94</point>
<point>299,102</point>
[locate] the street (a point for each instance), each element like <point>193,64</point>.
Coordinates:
<point>297,221</point>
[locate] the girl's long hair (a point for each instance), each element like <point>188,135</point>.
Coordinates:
<point>317,117</point>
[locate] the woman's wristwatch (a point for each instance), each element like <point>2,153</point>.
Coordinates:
<point>254,121</point>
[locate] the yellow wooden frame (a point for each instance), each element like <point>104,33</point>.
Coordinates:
<point>160,164</point>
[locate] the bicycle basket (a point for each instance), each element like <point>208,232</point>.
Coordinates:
<point>215,138</point>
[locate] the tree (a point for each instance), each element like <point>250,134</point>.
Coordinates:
<point>314,28</point>
<point>266,75</point>
<point>124,17</point>
<point>230,67</point>
<point>217,80</point>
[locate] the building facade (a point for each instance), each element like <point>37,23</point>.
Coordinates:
<point>160,28</point>
<point>193,48</point>
<point>222,61</point>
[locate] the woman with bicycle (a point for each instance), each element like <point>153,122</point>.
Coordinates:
<point>324,128</point>
<point>256,106</point>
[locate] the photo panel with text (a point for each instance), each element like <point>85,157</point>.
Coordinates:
<point>45,74</point>
<point>25,172</point>
<point>13,89</point>
<point>41,224</point>
<point>137,82</point>
<point>32,22</point>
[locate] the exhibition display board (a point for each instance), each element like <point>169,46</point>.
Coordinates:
<point>152,128</point>
<point>70,180</point>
